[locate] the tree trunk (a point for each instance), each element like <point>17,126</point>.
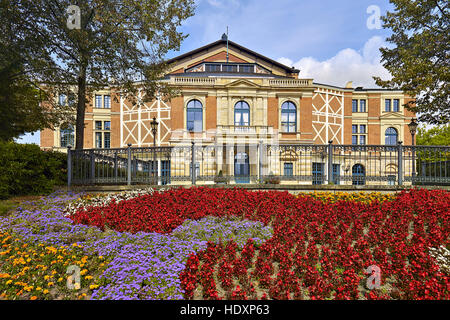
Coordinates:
<point>79,139</point>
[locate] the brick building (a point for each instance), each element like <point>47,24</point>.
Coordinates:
<point>230,95</point>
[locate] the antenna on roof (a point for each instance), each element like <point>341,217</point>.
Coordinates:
<point>227,44</point>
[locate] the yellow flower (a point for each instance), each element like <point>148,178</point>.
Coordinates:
<point>9,281</point>
<point>38,289</point>
<point>45,291</point>
<point>93,286</point>
<point>33,298</point>
<point>88,277</point>
<point>50,284</point>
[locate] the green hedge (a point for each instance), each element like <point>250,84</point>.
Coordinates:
<point>27,170</point>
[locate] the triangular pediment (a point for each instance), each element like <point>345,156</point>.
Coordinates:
<point>242,83</point>
<point>222,51</point>
<point>392,115</point>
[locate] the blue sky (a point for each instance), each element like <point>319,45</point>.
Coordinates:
<point>327,40</point>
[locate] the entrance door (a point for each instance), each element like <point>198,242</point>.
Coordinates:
<point>241,168</point>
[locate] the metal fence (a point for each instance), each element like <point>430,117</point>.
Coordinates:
<point>262,163</point>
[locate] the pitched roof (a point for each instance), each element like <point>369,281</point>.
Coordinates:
<point>237,46</point>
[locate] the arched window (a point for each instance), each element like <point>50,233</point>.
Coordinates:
<point>391,136</point>
<point>67,137</point>
<point>358,174</point>
<point>288,117</point>
<point>194,116</point>
<point>241,114</point>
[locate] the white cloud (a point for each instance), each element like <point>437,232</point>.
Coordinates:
<point>347,65</point>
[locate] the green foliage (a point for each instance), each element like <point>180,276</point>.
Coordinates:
<point>436,136</point>
<point>419,62</point>
<point>119,42</point>
<point>26,170</point>
<point>20,97</point>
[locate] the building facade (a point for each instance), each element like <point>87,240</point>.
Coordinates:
<point>232,96</point>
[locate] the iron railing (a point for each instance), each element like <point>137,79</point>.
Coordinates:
<point>262,163</point>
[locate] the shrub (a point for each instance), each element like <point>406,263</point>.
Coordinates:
<point>27,170</point>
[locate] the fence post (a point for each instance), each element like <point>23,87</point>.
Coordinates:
<point>69,166</point>
<point>193,163</point>
<point>330,161</point>
<point>129,164</point>
<point>115,167</point>
<point>400,163</point>
<point>260,164</point>
<point>92,158</point>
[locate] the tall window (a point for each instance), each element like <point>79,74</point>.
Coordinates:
<point>391,136</point>
<point>336,168</point>
<point>396,105</point>
<point>98,101</point>
<point>194,115</point>
<point>362,105</point>
<point>103,134</point>
<point>387,105</point>
<point>354,105</point>
<point>288,117</point>
<point>317,172</point>
<point>359,133</point>
<point>241,114</point>
<point>288,169</point>
<point>67,137</point>
<point>358,174</point>
<point>62,99</point>
<point>107,101</point>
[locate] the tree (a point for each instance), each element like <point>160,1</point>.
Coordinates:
<point>20,97</point>
<point>118,43</point>
<point>420,60</point>
<point>436,136</point>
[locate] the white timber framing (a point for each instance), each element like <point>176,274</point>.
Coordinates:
<point>333,130</point>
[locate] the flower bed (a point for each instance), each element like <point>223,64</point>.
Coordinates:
<point>201,243</point>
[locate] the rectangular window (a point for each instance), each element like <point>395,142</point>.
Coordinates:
<point>355,140</point>
<point>396,105</point>
<point>336,173</point>
<point>72,99</point>
<point>106,125</point>
<point>362,128</point>
<point>165,172</point>
<point>98,140</point>
<point>67,137</point>
<point>98,101</point>
<point>107,140</point>
<point>317,173</point>
<point>354,105</point>
<point>62,99</point>
<point>229,68</point>
<point>387,105</point>
<point>98,125</point>
<point>362,105</point>
<point>212,67</point>
<point>107,102</point>
<point>245,69</point>
<point>288,169</point>
<point>354,128</point>
<point>362,140</point>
